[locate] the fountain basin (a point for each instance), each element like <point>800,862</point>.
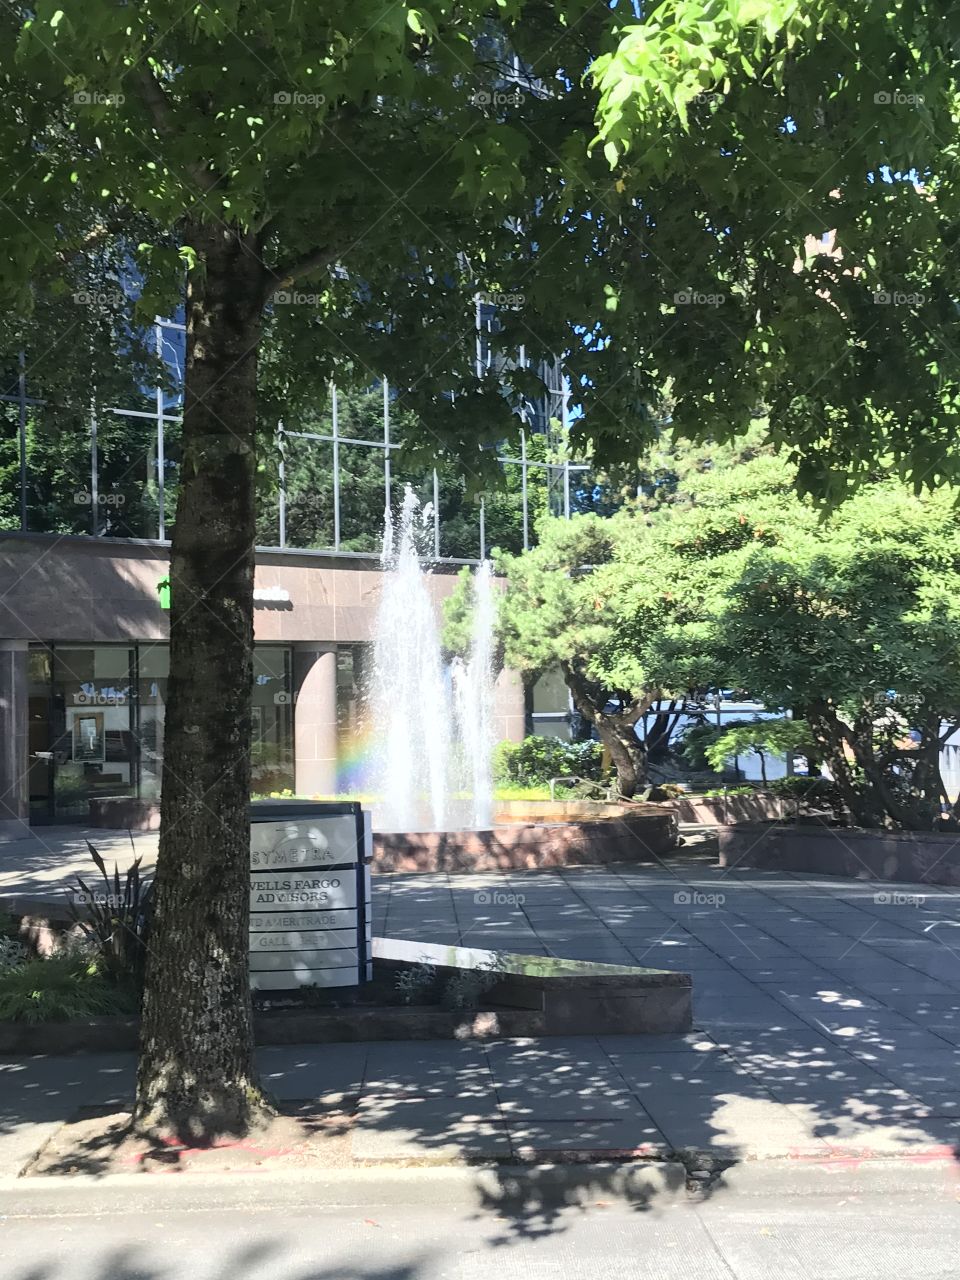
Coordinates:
<point>634,833</point>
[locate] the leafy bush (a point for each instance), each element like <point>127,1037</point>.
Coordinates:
<point>116,920</point>
<point>417,984</point>
<point>60,988</point>
<point>816,792</point>
<point>537,760</point>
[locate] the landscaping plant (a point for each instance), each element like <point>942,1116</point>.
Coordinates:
<point>116,919</point>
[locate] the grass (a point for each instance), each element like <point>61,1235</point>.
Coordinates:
<point>503,791</point>
<point>525,791</point>
<point>60,989</point>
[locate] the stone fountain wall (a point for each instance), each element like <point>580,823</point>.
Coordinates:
<point>636,835</point>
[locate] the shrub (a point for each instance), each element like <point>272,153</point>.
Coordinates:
<point>536,760</point>
<point>116,920</point>
<point>815,792</point>
<point>60,988</point>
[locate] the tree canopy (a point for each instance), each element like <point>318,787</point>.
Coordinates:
<point>649,197</point>
<point>847,622</point>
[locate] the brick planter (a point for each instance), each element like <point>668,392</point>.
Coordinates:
<point>914,857</point>
<point>125,813</point>
<point>638,835</point>
<point>710,811</point>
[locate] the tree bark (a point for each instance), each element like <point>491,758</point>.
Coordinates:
<point>196,1077</point>
<point>627,753</point>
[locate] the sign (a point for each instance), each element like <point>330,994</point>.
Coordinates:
<point>304,978</point>
<point>329,840</point>
<point>310,896</point>
<point>268,920</point>
<point>306,890</point>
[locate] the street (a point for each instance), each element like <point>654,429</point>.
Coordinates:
<point>75,1234</point>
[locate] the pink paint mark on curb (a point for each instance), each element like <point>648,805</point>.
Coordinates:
<point>243,1144</point>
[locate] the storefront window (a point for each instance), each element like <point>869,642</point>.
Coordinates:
<point>94,748</point>
<point>96,725</point>
<point>153,668</point>
<point>39,731</point>
<point>353,732</point>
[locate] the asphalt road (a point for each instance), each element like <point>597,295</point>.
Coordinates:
<point>106,1232</point>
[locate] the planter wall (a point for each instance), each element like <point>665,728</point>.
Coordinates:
<point>638,835</point>
<point>709,811</point>
<point>914,857</point>
<point>125,813</point>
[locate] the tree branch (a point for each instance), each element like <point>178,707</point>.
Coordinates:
<point>158,107</point>
<point>284,275</point>
<point>155,99</point>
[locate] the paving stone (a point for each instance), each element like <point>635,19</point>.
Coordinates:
<point>425,1067</point>
<point>427,1129</point>
<point>736,1126</point>
<point>633,1135</point>
<point>681,1074</point>
<point>326,1073</point>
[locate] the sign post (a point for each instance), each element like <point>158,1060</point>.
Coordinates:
<point>310,897</point>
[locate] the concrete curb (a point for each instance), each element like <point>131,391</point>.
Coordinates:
<point>493,1188</point>
<point>840,1177</point>
<point>517,1189</point>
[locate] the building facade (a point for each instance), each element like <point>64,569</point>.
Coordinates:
<point>84,663</point>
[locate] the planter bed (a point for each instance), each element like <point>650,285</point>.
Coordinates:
<point>532,996</point>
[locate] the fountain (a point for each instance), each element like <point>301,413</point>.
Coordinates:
<point>433,726</point>
<point>434,723</point>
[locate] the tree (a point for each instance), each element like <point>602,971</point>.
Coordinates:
<point>848,622</point>
<point>856,628</point>
<point>799,224</point>
<point>560,609</point>
<point>332,190</point>
<point>760,738</point>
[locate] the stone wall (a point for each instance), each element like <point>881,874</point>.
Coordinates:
<point>914,857</point>
<point>709,811</point>
<point>636,837</point>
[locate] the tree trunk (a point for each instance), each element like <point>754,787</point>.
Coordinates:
<point>627,753</point>
<point>196,1077</point>
<point>865,808</point>
<point>528,684</point>
<point>617,732</point>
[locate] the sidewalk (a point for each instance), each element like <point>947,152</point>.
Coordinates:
<point>46,863</point>
<point>582,1098</point>
<point>827,1015</point>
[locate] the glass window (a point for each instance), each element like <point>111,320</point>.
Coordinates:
<point>94,747</point>
<point>153,668</point>
<point>96,724</point>
<point>271,742</point>
<point>39,735</point>
<point>353,732</point>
